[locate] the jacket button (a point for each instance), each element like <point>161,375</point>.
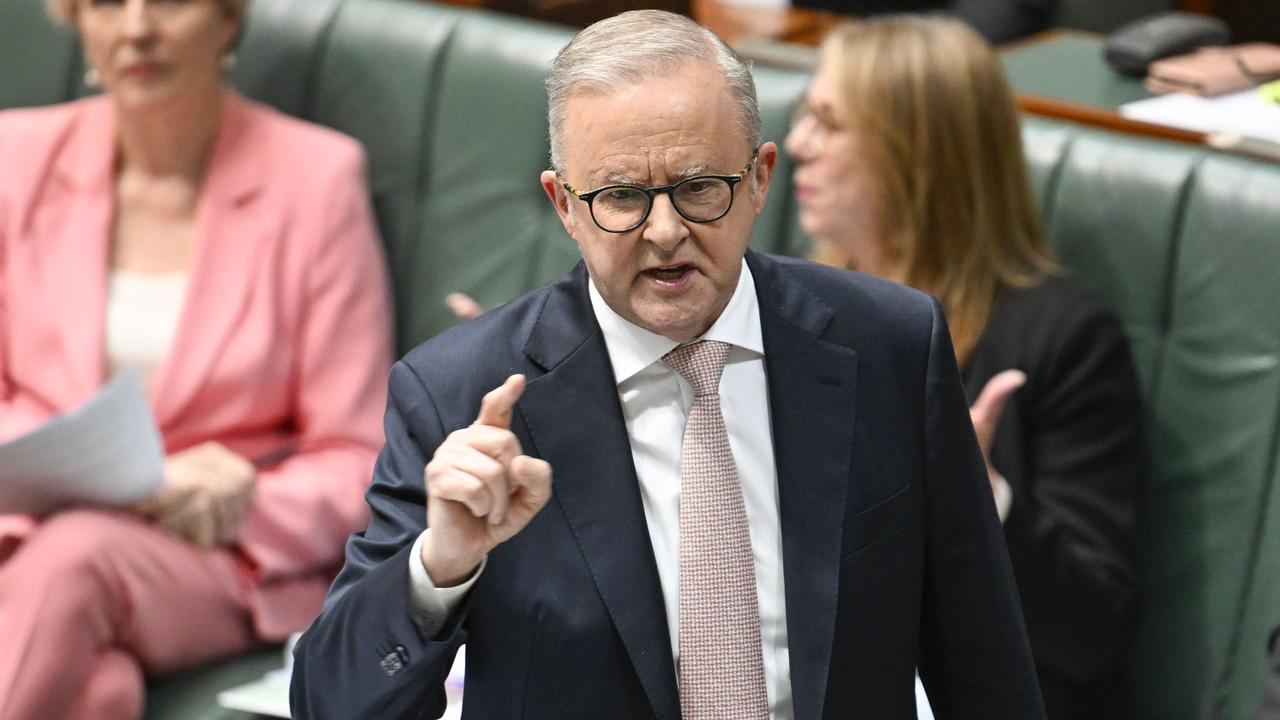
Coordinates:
<point>394,661</point>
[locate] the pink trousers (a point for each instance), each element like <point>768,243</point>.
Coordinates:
<point>91,601</point>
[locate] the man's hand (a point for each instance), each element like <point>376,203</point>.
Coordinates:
<point>481,489</point>
<point>987,409</point>
<point>206,494</point>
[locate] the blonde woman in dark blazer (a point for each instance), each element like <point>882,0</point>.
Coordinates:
<point>910,166</point>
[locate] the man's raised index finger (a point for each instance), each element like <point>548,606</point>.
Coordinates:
<point>496,405</point>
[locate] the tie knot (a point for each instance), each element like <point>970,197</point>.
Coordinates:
<point>700,363</point>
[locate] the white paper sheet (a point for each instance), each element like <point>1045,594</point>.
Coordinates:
<point>106,452</point>
<point>1245,112</point>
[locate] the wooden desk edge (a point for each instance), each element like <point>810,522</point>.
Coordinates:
<point>1105,118</point>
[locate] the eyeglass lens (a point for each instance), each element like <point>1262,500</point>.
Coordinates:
<point>698,199</point>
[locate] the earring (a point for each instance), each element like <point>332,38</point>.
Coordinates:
<point>92,78</point>
<point>228,61</point>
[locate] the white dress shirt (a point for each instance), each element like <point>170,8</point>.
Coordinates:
<point>655,403</point>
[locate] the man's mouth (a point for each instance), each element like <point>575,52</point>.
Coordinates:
<point>669,273</point>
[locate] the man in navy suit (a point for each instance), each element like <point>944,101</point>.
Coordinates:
<point>871,539</point>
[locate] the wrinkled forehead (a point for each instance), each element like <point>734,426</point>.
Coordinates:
<point>655,130</point>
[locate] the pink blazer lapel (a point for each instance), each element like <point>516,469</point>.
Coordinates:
<point>81,198</point>
<point>232,229</point>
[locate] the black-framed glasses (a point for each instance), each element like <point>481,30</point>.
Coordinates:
<point>700,199</point>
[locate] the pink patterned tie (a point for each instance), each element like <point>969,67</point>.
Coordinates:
<point>721,668</point>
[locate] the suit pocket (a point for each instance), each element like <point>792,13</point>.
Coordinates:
<point>880,521</point>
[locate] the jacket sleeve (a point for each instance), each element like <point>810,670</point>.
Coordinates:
<point>364,656</point>
<point>1072,529</point>
<point>307,505</point>
<point>975,660</point>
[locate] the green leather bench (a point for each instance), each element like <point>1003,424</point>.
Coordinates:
<point>1185,244</point>
<point>1182,242</point>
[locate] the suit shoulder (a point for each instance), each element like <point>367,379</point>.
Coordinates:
<point>1051,311</point>
<point>1052,330</point>
<point>306,146</point>
<point>29,135</point>
<point>47,121</point>
<point>841,283</point>
<point>481,352</point>
<point>861,303</point>
<point>33,140</point>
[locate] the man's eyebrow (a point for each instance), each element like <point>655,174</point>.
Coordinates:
<point>618,178</point>
<point>624,179</point>
<point>694,171</point>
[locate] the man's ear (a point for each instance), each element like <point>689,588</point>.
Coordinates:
<point>559,198</point>
<point>766,159</point>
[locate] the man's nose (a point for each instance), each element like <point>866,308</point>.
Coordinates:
<point>665,227</point>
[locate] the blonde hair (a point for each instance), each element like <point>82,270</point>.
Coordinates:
<point>940,132</point>
<point>63,10</point>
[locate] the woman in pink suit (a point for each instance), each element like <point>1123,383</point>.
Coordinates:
<point>227,253</point>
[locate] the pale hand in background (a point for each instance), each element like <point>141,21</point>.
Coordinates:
<point>986,410</point>
<point>481,489</point>
<point>464,307</point>
<point>206,494</point>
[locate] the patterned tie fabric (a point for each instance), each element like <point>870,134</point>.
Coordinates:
<point>721,669</point>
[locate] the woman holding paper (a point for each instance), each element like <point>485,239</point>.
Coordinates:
<point>910,166</point>
<point>227,253</point>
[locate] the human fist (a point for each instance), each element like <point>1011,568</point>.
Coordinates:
<point>481,489</point>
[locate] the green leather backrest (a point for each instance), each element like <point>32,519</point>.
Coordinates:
<point>1185,245</point>
<point>450,106</point>
<point>39,62</point>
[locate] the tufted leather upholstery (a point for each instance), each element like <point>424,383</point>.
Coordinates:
<point>1183,243</point>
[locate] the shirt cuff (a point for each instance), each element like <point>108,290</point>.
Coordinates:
<point>431,606</point>
<point>1000,489</point>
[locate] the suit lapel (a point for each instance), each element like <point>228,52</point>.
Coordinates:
<point>812,398</point>
<point>74,280</point>
<point>232,230</point>
<point>595,479</point>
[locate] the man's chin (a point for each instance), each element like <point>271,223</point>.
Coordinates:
<point>675,326</point>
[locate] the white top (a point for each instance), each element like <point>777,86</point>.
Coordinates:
<point>142,320</point>
<point>655,404</point>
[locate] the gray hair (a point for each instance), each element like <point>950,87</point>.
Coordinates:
<point>641,45</point>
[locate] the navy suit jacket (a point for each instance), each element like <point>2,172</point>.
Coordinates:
<point>892,554</point>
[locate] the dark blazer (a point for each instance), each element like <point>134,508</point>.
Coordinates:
<point>1069,443</point>
<point>892,551</point>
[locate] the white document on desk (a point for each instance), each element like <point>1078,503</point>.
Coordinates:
<point>105,452</point>
<point>1245,112</point>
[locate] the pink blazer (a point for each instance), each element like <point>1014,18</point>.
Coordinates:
<point>284,341</point>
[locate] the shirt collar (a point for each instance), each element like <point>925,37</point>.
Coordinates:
<point>632,348</point>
